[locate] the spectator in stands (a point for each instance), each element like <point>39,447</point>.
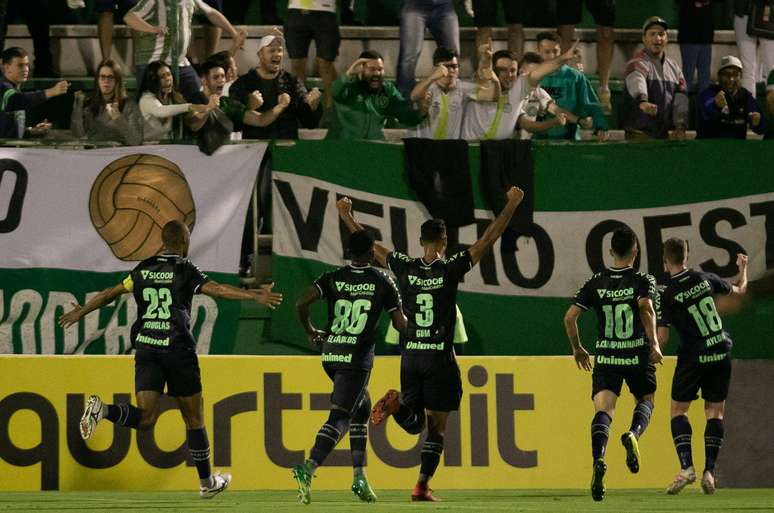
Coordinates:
<point>226,61</point>
<point>313,19</point>
<point>437,15</point>
<point>757,61</point>
<point>442,96</point>
<point>160,38</point>
<point>569,14</point>
<point>571,91</point>
<point>14,103</point>
<point>36,15</point>
<point>160,103</point>
<point>656,99</point>
<point>210,31</point>
<point>484,13</point>
<point>107,114</point>
<point>106,10</point>
<point>533,119</point>
<point>695,34</point>
<point>365,101</point>
<point>726,109</point>
<point>281,92</point>
<point>498,120</point>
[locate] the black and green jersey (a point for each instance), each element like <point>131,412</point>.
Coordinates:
<point>356,296</point>
<point>163,287</point>
<point>688,303</point>
<point>429,299</point>
<point>614,294</point>
<point>234,109</point>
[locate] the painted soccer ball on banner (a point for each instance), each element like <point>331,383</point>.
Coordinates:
<point>132,199</point>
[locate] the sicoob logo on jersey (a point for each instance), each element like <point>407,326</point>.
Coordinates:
<point>133,198</point>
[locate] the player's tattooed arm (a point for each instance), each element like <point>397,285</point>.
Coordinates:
<point>102,299</point>
<point>496,227</point>
<point>582,359</point>
<point>740,287</point>
<point>648,317</point>
<point>344,206</point>
<point>309,296</point>
<point>263,295</point>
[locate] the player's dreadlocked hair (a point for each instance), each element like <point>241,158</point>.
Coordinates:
<point>675,251</point>
<point>623,241</point>
<point>433,230</point>
<point>361,244</point>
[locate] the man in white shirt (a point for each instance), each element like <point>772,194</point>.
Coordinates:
<point>442,96</point>
<point>498,120</point>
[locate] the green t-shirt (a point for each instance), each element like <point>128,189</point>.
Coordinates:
<point>572,91</point>
<point>234,109</point>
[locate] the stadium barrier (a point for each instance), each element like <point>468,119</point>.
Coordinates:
<point>523,423</point>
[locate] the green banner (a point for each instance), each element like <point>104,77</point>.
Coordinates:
<point>513,302</point>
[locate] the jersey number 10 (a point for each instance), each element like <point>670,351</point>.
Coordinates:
<point>620,321</point>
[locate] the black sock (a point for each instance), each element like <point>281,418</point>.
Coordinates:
<point>358,432</point>
<point>600,431</point>
<point>124,414</point>
<point>329,435</point>
<point>681,435</point>
<point>431,455</point>
<point>641,417</point>
<point>199,448</point>
<point>713,441</point>
<point>411,421</point>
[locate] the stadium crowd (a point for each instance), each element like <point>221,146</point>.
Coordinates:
<point>512,94</point>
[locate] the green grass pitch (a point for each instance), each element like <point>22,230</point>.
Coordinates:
<point>468,501</point>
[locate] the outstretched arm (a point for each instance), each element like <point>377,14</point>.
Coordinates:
<point>582,359</point>
<point>103,298</point>
<point>344,206</point>
<point>310,295</point>
<point>263,295</point>
<point>496,227</point>
<point>549,67</point>
<point>648,317</point>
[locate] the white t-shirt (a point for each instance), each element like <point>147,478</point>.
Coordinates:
<point>313,5</point>
<point>444,116</point>
<point>536,104</point>
<point>496,120</point>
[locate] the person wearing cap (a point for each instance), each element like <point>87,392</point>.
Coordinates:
<point>656,99</point>
<point>727,109</point>
<point>282,93</point>
<point>160,36</point>
<point>365,101</point>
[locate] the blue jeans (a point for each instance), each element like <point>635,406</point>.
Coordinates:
<point>438,16</point>
<point>189,84</point>
<point>696,58</point>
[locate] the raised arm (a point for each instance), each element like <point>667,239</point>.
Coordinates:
<point>344,206</point>
<point>740,287</point>
<point>310,295</point>
<point>263,295</point>
<point>546,68</point>
<point>134,22</point>
<point>648,317</point>
<point>103,298</point>
<point>496,227</point>
<point>582,359</point>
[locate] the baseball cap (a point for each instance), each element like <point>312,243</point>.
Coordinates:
<point>654,20</point>
<point>729,61</point>
<point>267,40</point>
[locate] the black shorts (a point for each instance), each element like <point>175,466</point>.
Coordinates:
<point>301,27</point>
<point>179,370</point>
<point>429,381</point>
<point>640,380</point>
<point>712,378</point>
<point>201,19</point>
<point>349,386</point>
<point>485,12</point>
<point>570,12</point>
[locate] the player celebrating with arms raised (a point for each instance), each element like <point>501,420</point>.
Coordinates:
<point>429,376</point>
<point>626,349</point>
<point>356,295</point>
<point>163,287</point>
<point>703,360</point>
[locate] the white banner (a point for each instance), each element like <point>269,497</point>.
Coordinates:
<point>101,210</point>
<point>554,262</point>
